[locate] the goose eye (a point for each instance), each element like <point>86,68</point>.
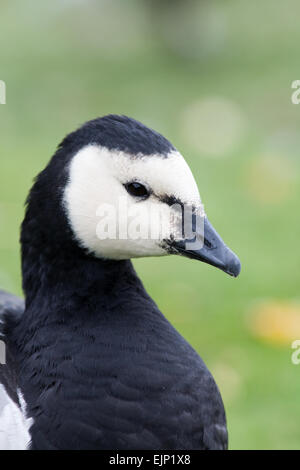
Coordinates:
<point>137,190</point>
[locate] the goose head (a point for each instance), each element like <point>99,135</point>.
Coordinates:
<point>126,192</point>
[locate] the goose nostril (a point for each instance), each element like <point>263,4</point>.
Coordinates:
<point>208,244</point>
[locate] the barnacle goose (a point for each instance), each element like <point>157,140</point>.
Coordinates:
<point>91,361</point>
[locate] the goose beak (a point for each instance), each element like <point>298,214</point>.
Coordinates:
<point>212,251</point>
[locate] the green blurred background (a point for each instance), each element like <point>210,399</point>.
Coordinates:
<point>215,78</point>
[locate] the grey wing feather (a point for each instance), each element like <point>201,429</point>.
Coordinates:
<point>14,425</point>
<point>216,437</point>
<point>11,308</point>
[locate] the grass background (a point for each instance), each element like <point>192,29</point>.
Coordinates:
<point>215,78</point>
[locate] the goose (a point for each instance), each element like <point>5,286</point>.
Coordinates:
<point>91,362</point>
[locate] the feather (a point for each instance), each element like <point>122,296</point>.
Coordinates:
<point>14,425</point>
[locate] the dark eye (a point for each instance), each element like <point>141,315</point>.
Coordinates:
<point>137,190</point>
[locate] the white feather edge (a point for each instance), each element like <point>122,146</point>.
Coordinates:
<point>14,425</point>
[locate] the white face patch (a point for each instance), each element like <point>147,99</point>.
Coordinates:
<point>96,199</point>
